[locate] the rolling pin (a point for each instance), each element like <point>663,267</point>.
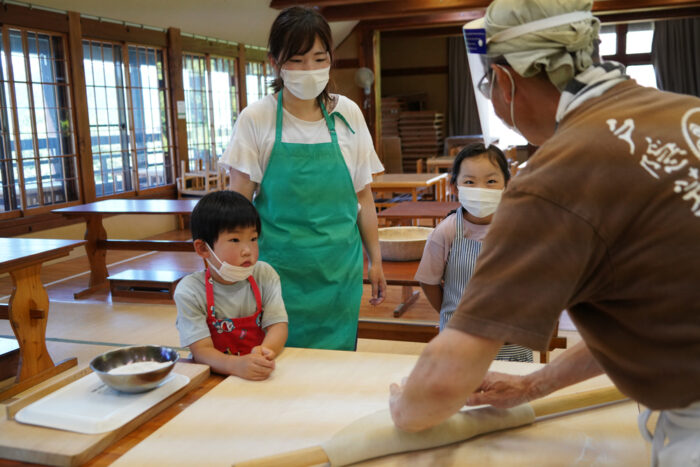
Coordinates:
<point>542,407</point>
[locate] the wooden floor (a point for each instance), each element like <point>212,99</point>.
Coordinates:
<point>89,326</point>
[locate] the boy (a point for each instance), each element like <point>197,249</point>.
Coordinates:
<point>247,328</point>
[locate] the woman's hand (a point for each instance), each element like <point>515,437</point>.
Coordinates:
<point>376,278</point>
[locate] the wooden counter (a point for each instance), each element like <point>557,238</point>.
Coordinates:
<point>314,393</point>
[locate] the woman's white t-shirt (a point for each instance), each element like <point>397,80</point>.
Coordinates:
<point>254,136</point>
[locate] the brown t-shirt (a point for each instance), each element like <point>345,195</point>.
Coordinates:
<point>605,222</point>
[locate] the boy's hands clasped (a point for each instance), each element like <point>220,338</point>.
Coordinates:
<point>255,366</point>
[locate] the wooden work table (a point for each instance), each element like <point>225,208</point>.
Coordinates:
<point>314,393</point>
<point>411,183</point>
<point>28,308</point>
<point>408,211</point>
<point>96,235</point>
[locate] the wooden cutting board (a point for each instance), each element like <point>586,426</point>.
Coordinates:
<point>41,445</point>
<point>314,393</point>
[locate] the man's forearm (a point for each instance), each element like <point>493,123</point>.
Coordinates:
<point>573,366</point>
<point>448,370</point>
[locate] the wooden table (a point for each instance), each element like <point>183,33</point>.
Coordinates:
<point>410,183</point>
<point>436,164</point>
<point>314,393</point>
<point>409,211</point>
<point>96,236</point>
<point>28,308</point>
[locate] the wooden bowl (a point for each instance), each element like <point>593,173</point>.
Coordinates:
<point>403,243</point>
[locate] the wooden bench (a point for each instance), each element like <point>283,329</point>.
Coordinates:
<point>148,284</point>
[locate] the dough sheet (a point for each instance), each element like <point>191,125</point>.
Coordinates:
<point>375,435</point>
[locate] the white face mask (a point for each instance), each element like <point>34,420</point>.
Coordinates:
<point>229,272</point>
<point>305,84</point>
<point>479,202</point>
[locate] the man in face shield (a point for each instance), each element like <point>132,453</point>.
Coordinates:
<point>604,221</point>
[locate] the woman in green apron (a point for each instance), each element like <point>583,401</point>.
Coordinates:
<point>306,159</point>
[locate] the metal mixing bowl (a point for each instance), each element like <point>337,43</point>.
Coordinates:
<point>134,382</point>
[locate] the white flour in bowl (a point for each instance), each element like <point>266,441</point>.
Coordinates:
<point>138,367</point>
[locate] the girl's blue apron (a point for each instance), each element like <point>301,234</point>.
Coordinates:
<point>460,267</point>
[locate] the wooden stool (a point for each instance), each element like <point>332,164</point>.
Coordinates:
<point>137,283</point>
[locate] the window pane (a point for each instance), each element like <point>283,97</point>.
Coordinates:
<point>225,108</point>
<point>9,190</point>
<point>256,81</point>
<point>639,38</point>
<point>199,139</point>
<point>44,116</point>
<point>149,97</point>
<point>107,109</point>
<point>608,40</point>
<point>643,74</point>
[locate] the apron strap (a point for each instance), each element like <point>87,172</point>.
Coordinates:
<point>330,119</point>
<point>459,224</point>
<point>209,287</point>
<point>340,116</point>
<point>210,294</point>
<point>278,127</point>
<point>256,292</point>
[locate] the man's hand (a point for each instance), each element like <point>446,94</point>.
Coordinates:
<point>253,366</point>
<point>502,390</point>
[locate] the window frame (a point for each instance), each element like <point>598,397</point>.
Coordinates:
<point>136,189</point>
<point>21,197</point>
<point>621,54</point>
<point>192,164</point>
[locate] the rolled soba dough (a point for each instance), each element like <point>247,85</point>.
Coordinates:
<point>375,435</point>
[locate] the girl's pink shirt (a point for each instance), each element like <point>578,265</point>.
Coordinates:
<point>437,248</point>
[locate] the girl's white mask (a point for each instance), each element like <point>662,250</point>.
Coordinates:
<point>229,272</point>
<point>479,202</point>
<point>305,84</point>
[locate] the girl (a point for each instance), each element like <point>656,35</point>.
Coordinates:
<point>479,175</point>
<point>308,157</point>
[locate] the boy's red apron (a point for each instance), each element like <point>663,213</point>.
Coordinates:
<point>234,336</point>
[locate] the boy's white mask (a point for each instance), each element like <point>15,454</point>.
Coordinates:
<point>229,272</point>
<point>479,202</point>
<point>305,84</point>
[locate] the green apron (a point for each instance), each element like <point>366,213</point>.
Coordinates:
<point>308,209</point>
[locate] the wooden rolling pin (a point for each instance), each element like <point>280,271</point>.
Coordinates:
<point>542,407</point>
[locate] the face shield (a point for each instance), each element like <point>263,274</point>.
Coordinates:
<point>480,61</point>
<point>481,73</point>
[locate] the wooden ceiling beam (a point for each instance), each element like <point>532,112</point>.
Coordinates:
<point>398,8</point>
<point>281,4</point>
<point>648,15</point>
<point>620,6</point>
<point>373,10</point>
<point>423,22</point>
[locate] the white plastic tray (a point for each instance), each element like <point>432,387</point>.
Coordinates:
<point>90,406</point>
